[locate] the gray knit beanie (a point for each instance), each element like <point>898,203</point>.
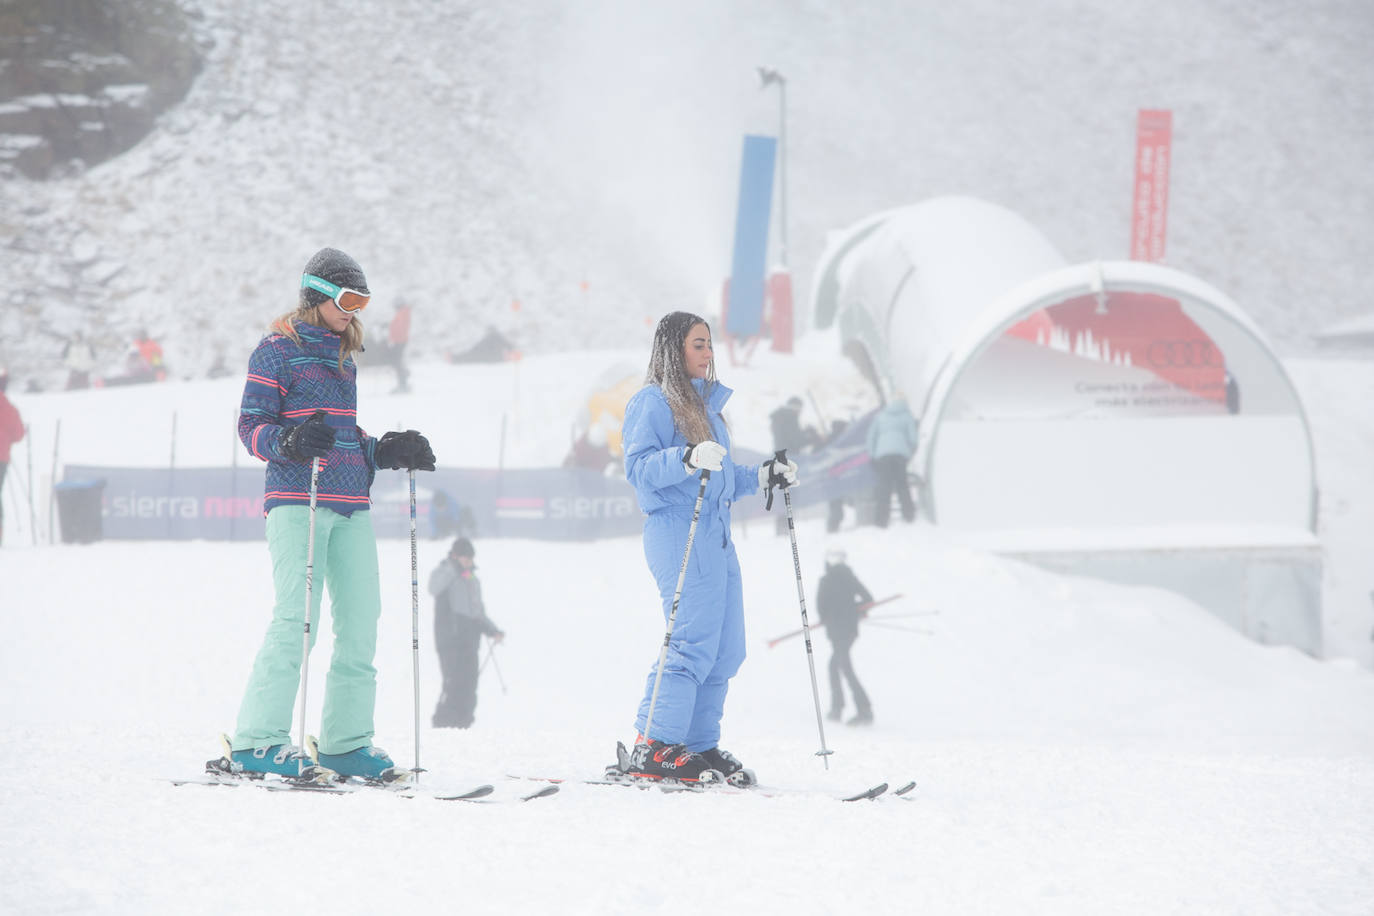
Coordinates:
<point>338,268</point>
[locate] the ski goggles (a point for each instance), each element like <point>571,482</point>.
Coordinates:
<point>348,300</point>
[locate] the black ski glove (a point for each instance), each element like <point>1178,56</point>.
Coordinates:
<point>311,439</point>
<point>408,450</point>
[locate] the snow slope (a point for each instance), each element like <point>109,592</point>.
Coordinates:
<point>1079,747</point>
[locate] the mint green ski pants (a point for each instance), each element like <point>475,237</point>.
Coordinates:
<point>345,563</point>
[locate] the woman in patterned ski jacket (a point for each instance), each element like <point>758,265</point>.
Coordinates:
<point>299,406</point>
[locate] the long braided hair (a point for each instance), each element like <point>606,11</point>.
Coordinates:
<point>668,371</point>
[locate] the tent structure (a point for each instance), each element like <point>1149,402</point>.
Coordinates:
<point>1114,417</point>
<point>1351,334</point>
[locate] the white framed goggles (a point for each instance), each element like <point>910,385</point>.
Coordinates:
<point>347,300</point>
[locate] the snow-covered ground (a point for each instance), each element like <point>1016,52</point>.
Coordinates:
<point>1078,747</point>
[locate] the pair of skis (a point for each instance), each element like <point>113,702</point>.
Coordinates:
<point>743,782</point>
<point>222,771</point>
<point>401,787</point>
<point>670,786</point>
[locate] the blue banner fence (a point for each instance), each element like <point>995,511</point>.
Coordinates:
<point>538,503</point>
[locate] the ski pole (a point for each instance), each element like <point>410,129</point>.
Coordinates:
<point>309,593</point>
<point>896,626</point>
<point>677,596</point>
<point>861,609</point>
<point>415,626</point>
<point>824,753</point>
<point>491,657</point>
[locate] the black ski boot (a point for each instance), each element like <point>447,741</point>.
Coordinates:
<point>657,760</point>
<point>726,763</point>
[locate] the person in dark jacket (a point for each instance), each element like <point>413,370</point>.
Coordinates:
<point>460,622</point>
<point>788,433</point>
<point>840,597</point>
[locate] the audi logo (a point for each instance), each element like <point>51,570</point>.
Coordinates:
<point>1184,354</point>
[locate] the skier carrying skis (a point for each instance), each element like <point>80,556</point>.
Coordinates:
<point>460,620</point>
<point>673,430</point>
<point>839,596</point>
<point>299,404</point>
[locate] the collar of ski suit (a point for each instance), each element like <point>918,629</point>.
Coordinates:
<point>717,395</point>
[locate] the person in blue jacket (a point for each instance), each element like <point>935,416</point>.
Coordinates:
<point>300,402</point>
<point>891,443</point>
<point>673,430</point>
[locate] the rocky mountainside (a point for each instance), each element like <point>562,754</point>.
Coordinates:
<point>567,172</point>
<point>84,80</point>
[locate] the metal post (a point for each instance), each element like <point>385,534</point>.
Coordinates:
<point>172,478</point>
<point>782,170</point>
<point>52,483</point>
<point>28,455</point>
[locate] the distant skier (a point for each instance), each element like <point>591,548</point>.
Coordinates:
<point>788,433</point>
<point>460,621</point>
<point>673,431</point>
<point>891,443</point>
<point>398,335</point>
<point>79,358</point>
<point>839,596</point>
<point>300,403</point>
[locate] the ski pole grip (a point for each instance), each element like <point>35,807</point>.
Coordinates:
<point>779,457</point>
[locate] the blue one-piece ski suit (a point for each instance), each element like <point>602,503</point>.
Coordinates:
<point>707,645</point>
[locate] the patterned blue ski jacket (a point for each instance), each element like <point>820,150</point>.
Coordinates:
<point>654,450</point>
<point>287,382</point>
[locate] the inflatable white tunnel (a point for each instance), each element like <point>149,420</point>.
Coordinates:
<point>1072,411</point>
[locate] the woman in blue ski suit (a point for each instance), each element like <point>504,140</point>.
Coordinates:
<point>299,404</point>
<point>674,430</point>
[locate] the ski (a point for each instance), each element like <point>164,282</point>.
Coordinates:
<point>616,777</point>
<point>874,792</point>
<point>540,793</point>
<point>479,793</point>
<point>741,782</point>
<point>271,783</point>
<point>399,788</point>
<point>670,787</point>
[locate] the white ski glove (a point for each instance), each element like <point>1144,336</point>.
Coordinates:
<point>704,456</point>
<point>781,474</point>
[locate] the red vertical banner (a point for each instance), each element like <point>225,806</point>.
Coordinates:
<point>1150,210</point>
<point>780,309</point>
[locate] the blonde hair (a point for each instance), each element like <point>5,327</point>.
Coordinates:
<point>350,341</point>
